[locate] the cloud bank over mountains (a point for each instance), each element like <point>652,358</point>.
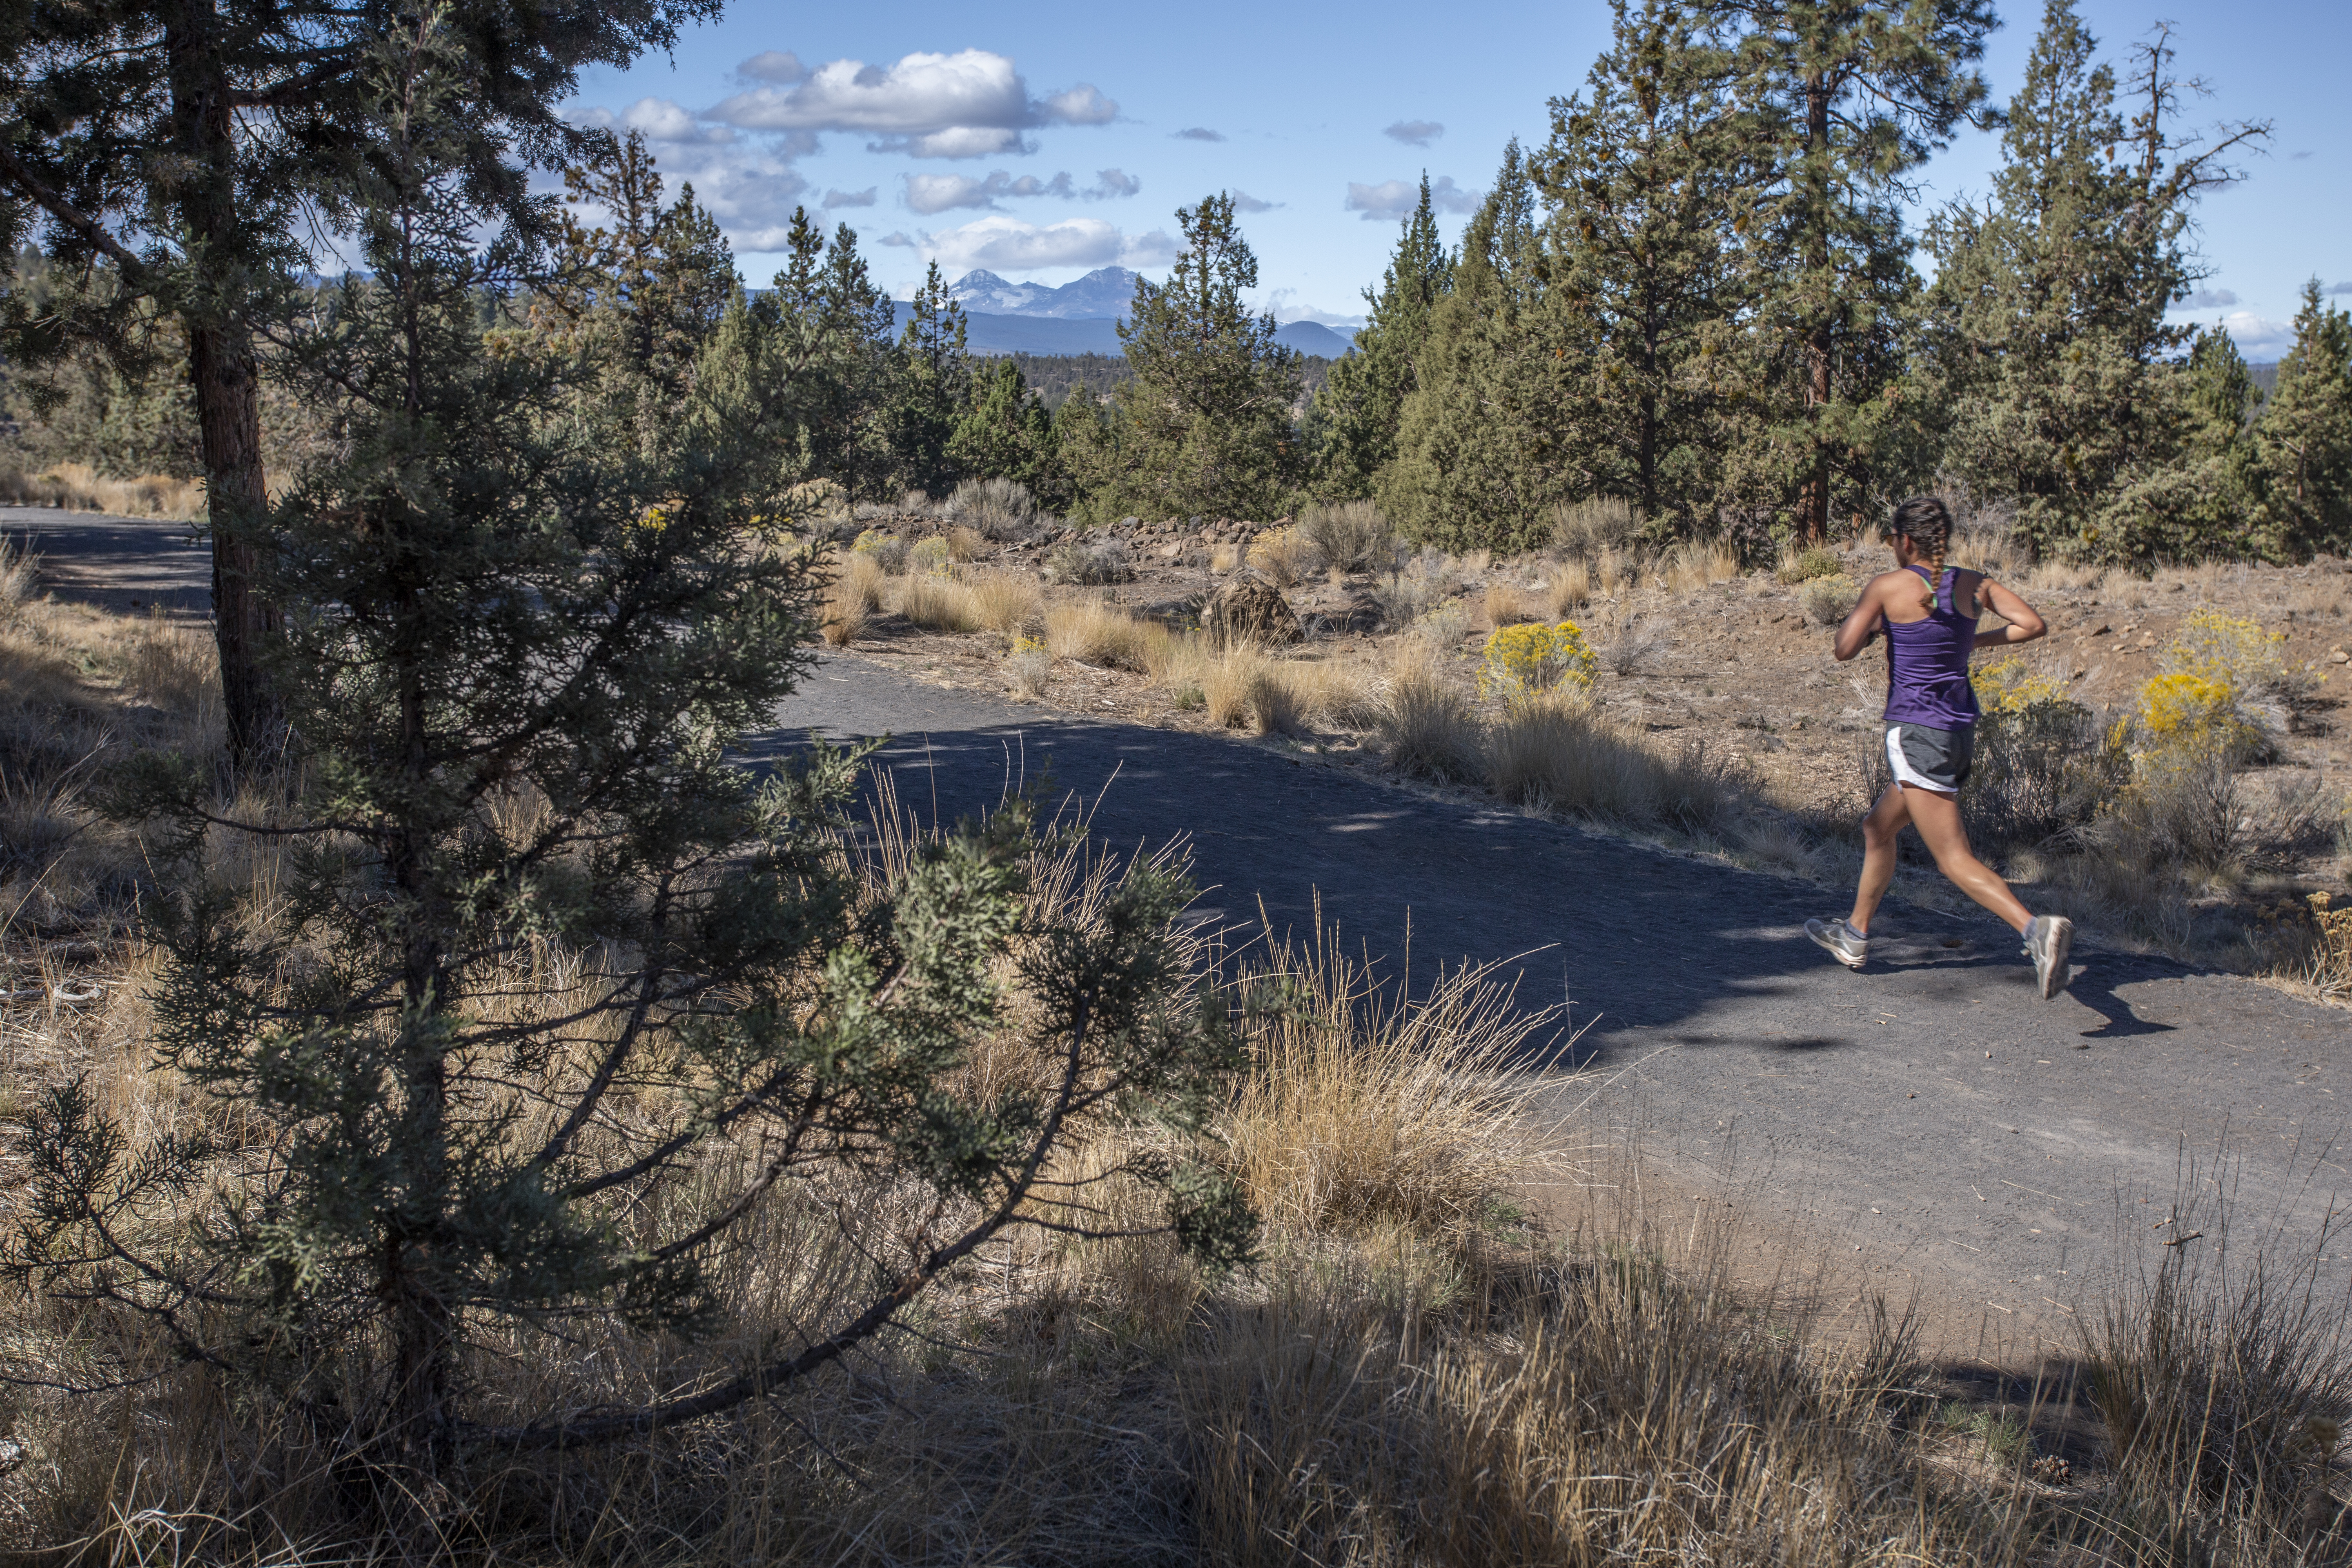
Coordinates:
<point>971,104</point>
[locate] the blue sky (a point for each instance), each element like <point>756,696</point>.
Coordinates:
<point>1042,141</point>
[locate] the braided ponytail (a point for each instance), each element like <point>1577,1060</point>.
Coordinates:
<point>1925,522</point>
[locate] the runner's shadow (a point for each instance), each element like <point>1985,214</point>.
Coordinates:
<point>2093,986</point>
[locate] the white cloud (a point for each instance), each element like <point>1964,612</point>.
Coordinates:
<point>971,104</point>
<point>1081,105</point>
<point>2207,300</point>
<point>900,237</point>
<point>2339,287</point>
<point>865,198</point>
<point>1002,243</point>
<point>779,66</point>
<point>929,194</point>
<point>659,120</point>
<point>1245,203</point>
<point>1415,132</point>
<point>2257,339</point>
<point>1110,184</point>
<point>1200,133</point>
<point>1397,198</point>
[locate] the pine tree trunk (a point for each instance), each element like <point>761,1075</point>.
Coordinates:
<point>1813,499</point>
<point>220,370</point>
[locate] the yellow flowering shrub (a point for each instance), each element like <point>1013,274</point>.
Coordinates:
<point>1284,555</point>
<point>888,551</point>
<point>929,555</point>
<point>1531,658</point>
<point>653,520</point>
<point>2231,651</point>
<point>2012,686</point>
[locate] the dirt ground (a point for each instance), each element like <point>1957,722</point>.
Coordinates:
<point>1737,663</point>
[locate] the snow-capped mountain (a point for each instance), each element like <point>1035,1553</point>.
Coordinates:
<point>1103,294</point>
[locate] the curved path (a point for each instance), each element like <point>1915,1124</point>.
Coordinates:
<point>1933,1112</point>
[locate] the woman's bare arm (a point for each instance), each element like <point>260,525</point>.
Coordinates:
<point>2025,625</point>
<point>1861,627</point>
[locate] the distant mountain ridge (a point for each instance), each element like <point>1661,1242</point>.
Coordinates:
<point>1080,317</point>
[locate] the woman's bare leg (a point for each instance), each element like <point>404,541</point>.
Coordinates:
<point>1938,818</point>
<point>1880,829</point>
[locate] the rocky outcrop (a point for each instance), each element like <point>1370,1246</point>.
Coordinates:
<point>1249,609</point>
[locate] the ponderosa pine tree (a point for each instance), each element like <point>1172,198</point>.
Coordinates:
<point>553,994</point>
<point>1485,446</point>
<point>2303,442</point>
<point>1847,97</point>
<point>1643,177</point>
<point>1205,422</point>
<point>825,341</point>
<point>660,278</point>
<point>185,142</point>
<point>1355,415</point>
<point>930,385</point>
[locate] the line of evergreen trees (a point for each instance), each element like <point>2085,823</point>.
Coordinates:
<point>1698,296</point>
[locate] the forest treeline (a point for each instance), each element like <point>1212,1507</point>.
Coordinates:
<point>1702,295</point>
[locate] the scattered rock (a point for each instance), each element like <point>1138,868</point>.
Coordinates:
<point>1251,609</point>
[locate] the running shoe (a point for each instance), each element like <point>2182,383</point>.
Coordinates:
<point>2047,938</point>
<point>1847,945</point>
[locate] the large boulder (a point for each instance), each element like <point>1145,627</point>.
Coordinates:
<point>1249,609</point>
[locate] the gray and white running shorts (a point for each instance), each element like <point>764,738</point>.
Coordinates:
<point>1929,759</point>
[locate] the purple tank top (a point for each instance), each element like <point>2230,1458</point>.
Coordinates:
<point>1927,664</point>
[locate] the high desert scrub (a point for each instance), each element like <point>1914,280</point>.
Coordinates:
<point>77,486</point>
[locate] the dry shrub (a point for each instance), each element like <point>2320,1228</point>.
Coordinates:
<point>1223,558</point>
<point>1349,536</point>
<point>1092,632</point>
<point>1429,729</point>
<point>1229,683</point>
<point>941,604</point>
<point>966,544</point>
<point>77,487</point>
<point>842,621</point>
<point>1567,588</point>
<point>993,507</point>
<point>1628,643</point>
<point>1612,571</point>
<point>1338,693</point>
<point>20,578</point>
<point>1285,554</point>
<point>1274,705</point>
<point>2069,575</point>
<point>1802,564</point>
<point>1005,601</point>
<point>1593,528</point>
<point>1553,751</point>
<point>859,579</point>
<point>1829,600</point>
<point>1028,667</point>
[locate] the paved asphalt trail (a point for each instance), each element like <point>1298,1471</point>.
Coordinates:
<point>1933,1110</point>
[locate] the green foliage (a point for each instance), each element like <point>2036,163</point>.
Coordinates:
<point>2303,443</point>
<point>818,343</point>
<point>1486,444</point>
<point>1004,432</point>
<point>1844,98</point>
<point>932,387</point>
<point>1205,425</point>
<point>539,948</point>
<point>1355,415</point>
<point>1641,175</point>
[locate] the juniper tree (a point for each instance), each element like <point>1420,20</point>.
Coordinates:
<point>552,993</point>
<point>2303,441</point>
<point>1644,177</point>
<point>824,330</point>
<point>1485,446</point>
<point>1848,98</point>
<point>2046,342</point>
<point>1005,433</point>
<point>1356,411</point>
<point>186,144</point>
<point>1206,419</point>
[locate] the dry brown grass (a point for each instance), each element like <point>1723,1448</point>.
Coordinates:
<point>1093,632</point>
<point>966,544</point>
<point>1698,564</point>
<point>1555,754</point>
<point>1505,604</point>
<point>1006,601</point>
<point>939,603</point>
<point>77,487</point>
<point>1285,554</point>
<point>1429,729</point>
<point>1567,588</point>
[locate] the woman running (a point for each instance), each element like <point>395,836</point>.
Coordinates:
<point>1930,613</point>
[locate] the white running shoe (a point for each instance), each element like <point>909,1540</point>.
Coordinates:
<point>2047,940</point>
<point>1847,945</point>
